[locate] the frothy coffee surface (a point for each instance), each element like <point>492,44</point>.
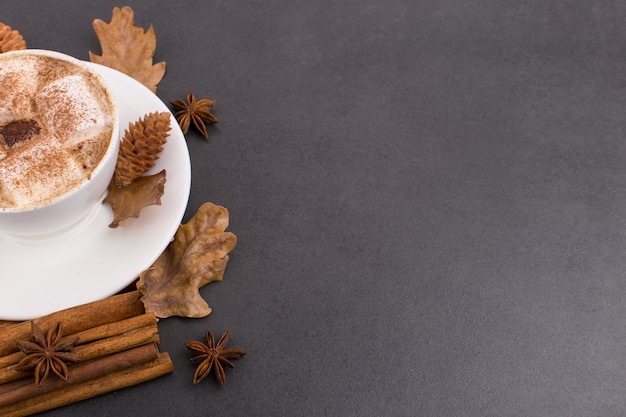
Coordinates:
<point>55,127</point>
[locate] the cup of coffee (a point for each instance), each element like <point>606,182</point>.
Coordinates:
<point>59,140</point>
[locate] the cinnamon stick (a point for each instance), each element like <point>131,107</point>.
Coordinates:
<point>106,383</point>
<point>4,323</point>
<point>76,319</point>
<point>116,348</point>
<point>116,343</point>
<point>93,350</point>
<point>11,359</point>
<point>115,328</point>
<point>79,373</point>
<point>89,335</point>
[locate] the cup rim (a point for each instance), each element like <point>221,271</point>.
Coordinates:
<point>115,136</point>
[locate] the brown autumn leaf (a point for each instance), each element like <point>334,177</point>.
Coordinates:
<point>127,48</point>
<point>128,201</point>
<point>196,256</point>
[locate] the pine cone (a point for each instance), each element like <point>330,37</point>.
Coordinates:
<point>140,147</point>
<point>10,40</point>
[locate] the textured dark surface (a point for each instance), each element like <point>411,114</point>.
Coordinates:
<point>429,198</point>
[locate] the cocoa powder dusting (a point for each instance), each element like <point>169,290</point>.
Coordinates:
<point>19,131</point>
<point>62,132</point>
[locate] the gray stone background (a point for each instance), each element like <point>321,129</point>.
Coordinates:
<point>429,198</point>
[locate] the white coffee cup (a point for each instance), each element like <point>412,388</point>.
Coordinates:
<point>77,87</point>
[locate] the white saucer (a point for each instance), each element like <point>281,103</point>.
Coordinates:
<point>94,261</point>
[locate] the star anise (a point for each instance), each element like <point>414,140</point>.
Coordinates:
<point>196,111</point>
<point>212,356</point>
<point>48,352</point>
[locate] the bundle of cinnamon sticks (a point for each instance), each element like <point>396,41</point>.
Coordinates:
<point>116,348</point>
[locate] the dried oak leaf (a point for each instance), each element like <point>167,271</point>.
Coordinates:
<point>140,147</point>
<point>127,48</point>
<point>10,39</point>
<point>128,201</point>
<point>196,256</point>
